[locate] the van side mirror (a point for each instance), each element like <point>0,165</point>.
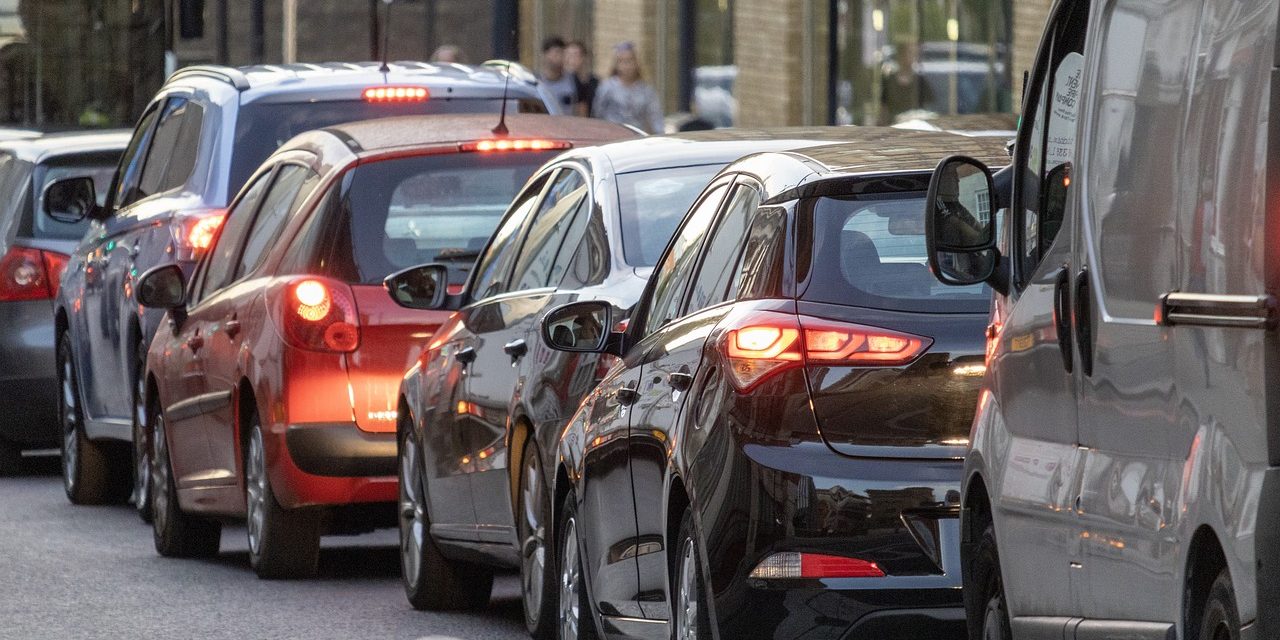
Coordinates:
<point>424,287</point>
<point>163,287</point>
<point>960,225</point>
<point>71,200</point>
<point>582,327</point>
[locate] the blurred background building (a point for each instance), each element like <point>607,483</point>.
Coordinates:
<point>66,63</point>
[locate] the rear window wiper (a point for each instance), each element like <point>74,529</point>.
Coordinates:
<point>457,254</point>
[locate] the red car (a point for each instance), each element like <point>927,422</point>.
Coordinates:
<point>271,389</point>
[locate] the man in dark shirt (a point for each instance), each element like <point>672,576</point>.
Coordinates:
<point>577,63</point>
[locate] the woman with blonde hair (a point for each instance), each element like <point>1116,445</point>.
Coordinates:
<point>624,97</point>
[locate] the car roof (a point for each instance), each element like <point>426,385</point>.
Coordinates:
<point>277,80</point>
<point>56,144</point>
<point>417,131</point>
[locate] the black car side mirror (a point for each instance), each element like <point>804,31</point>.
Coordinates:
<point>960,224</point>
<point>71,200</point>
<point>163,287</point>
<point>582,327</point>
<point>424,287</point>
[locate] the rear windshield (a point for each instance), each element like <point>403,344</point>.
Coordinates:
<point>409,211</point>
<point>653,203</point>
<point>869,251</point>
<point>262,127</point>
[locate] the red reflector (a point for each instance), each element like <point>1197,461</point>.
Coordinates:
<point>396,94</point>
<point>507,144</point>
<point>791,564</point>
<point>24,275</point>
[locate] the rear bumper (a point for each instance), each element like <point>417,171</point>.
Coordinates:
<point>332,464</point>
<point>28,378</point>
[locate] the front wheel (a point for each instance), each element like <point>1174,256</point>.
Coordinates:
<point>177,535</point>
<point>432,582</point>
<point>1219,621</point>
<point>92,473</point>
<point>283,543</point>
<point>692,620</point>
<point>987,609</point>
<point>141,439</point>
<point>576,619</point>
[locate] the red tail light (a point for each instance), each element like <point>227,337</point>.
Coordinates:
<point>195,233</point>
<point>319,315</point>
<point>396,94</point>
<point>30,274</point>
<point>790,564</point>
<point>505,144</point>
<point>766,342</point>
<point>201,233</point>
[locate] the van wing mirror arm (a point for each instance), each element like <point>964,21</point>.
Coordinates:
<point>1000,276</point>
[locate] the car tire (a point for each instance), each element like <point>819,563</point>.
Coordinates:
<point>92,472</point>
<point>1219,620</point>
<point>987,609</point>
<point>177,534</point>
<point>283,543</point>
<point>10,460</point>
<point>576,620</point>
<point>141,439</point>
<point>690,616</point>
<point>533,522</point>
<point>432,582</point>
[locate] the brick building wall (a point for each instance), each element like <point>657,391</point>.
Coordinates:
<point>1029,17</point>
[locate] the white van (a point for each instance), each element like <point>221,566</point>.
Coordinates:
<point>1123,477</point>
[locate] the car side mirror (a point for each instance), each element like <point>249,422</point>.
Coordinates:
<point>960,225</point>
<point>424,287</point>
<point>582,327</point>
<point>71,200</point>
<point>163,287</point>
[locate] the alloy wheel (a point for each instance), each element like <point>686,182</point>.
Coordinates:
<point>533,550</point>
<point>687,603</point>
<point>141,449</point>
<point>159,475</point>
<point>413,527</point>
<point>570,584</point>
<point>255,484</point>
<point>70,427</point>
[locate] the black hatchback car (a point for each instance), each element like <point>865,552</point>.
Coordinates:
<point>778,454</point>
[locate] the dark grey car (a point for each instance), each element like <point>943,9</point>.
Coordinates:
<point>33,250</point>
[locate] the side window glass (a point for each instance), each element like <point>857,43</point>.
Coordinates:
<point>183,160</point>
<point>760,269</point>
<point>223,257</point>
<point>671,276</point>
<point>563,202</point>
<point>168,132</point>
<point>126,187</point>
<point>308,253</point>
<point>720,258</point>
<point>584,255</point>
<point>491,271</point>
<point>273,215</point>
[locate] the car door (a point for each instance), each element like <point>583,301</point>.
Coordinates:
<point>232,311</point>
<point>503,343</point>
<point>1028,437</point>
<point>608,508</point>
<point>672,354</point>
<point>191,451</point>
<point>456,430</point>
<point>1129,258</point>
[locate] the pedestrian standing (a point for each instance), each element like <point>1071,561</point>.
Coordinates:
<point>552,76</point>
<point>577,63</point>
<point>624,97</point>
<point>448,53</point>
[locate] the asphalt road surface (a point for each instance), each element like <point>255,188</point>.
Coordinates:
<point>92,572</point>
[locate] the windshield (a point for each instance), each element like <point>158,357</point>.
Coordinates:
<point>410,211</point>
<point>262,127</point>
<point>869,251</point>
<point>653,203</point>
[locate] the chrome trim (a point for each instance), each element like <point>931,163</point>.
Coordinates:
<point>1212,310</point>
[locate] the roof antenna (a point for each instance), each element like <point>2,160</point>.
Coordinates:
<point>501,129</point>
<point>386,34</point>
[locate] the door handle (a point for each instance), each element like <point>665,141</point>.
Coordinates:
<point>135,250</point>
<point>1062,316</point>
<point>466,355</point>
<point>680,381</point>
<point>232,327</point>
<point>516,349</point>
<point>627,395</point>
<point>1083,319</point>
<point>195,342</point>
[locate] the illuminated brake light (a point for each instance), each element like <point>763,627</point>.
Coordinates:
<point>506,144</point>
<point>790,564</point>
<point>201,234</point>
<point>320,316</point>
<point>396,94</point>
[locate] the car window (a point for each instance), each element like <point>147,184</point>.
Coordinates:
<point>720,256</point>
<point>223,258</point>
<point>584,261</point>
<point>760,269</point>
<point>1050,141</point>
<point>164,159</point>
<point>563,203</point>
<point>652,203</point>
<point>671,277</point>
<point>125,190</point>
<point>490,274</point>
<point>285,194</point>
<point>183,160</point>
<point>309,250</point>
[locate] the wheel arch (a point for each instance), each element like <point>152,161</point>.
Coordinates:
<point>1206,558</point>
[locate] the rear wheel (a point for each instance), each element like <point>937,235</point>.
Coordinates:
<point>177,535</point>
<point>692,620</point>
<point>92,473</point>
<point>1219,621</point>
<point>533,518</point>
<point>283,543</point>
<point>576,620</point>
<point>432,582</point>
<point>987,609</point>
<point>141,439</point>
